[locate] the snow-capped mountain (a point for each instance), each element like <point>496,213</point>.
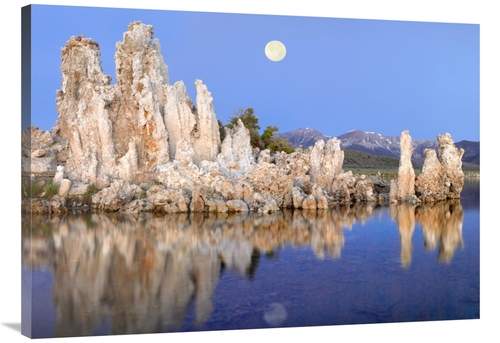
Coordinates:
<point>304,136</point>
<point>370,142</point>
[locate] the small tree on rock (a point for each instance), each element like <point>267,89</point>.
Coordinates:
<point>264,141</point>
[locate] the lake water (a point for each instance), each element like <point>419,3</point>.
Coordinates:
<point>97,274</point>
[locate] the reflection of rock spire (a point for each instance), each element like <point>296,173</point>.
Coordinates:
<point>81,255</point>
<point>143,272</point>
<point>177,290</point>
<point>327,235</point>
<point>404,214</point>
<point>442,221</point>
<point>206,272</point>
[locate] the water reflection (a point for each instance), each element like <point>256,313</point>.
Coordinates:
<point>404,215</point>
<point>141,274</point>
<point>441,224</point>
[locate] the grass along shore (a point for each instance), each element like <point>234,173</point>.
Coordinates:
<point>364,163</point>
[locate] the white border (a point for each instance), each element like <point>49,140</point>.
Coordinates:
<point>481,12</point>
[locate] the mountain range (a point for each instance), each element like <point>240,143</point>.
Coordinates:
<point>376,144</point>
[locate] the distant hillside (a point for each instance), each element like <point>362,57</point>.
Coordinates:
<point>357,159</point>
<point>376,144</point>
<point>471,153</point>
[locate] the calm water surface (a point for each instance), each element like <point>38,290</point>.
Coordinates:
<point>117,274</point>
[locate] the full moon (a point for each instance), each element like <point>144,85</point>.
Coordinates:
<point>275,50</point>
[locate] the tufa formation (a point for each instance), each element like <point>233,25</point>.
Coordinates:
<point>143,145</point>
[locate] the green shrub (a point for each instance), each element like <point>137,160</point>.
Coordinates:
<point>31,189</point>
<point>280,144</point>
<point>91,190</point>
<point>38,189</point>
<point>51,188</point>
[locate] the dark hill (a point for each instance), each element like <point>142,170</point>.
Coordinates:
<point>471,153</point>
<point>357,159</point>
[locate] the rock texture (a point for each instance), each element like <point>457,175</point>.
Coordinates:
<point>84,121</point>
<point>179,116</point>
<point>236,157</point>
<point>441,178</point>
<point>140,78</point>
<point>403,189</point>
<point>326,162</point>
<point>122,131</point>
<point>40,152</point>
<point>206,132</point>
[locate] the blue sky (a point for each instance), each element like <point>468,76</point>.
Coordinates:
<point>338,74</point>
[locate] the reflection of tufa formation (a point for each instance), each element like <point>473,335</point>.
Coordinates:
<point>147,147</point>
<point>151,268</point>
<point>143,271</point>
<point>441,222</point>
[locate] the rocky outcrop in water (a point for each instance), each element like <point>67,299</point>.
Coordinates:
<point>143,145</point>
<point>441,178</point>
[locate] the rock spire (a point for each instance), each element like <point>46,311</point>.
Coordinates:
<point>441,178</point>
<point>403,189</point>
<point>126,130</point>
